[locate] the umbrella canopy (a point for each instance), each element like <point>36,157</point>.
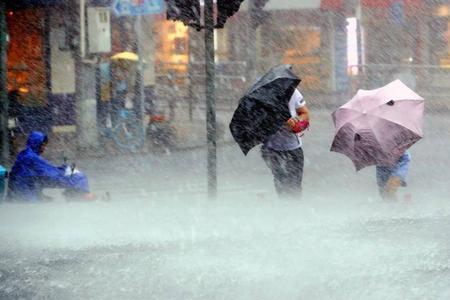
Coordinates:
<point>377,126</point>
<point>264,107</point>
<point>130,56</point>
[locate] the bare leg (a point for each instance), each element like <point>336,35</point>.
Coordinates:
<point>390,190</point>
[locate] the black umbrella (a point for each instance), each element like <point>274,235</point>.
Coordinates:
<point>264,107</point>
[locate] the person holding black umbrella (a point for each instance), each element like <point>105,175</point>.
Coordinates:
<point>273,112</point>
<point>283,151</point>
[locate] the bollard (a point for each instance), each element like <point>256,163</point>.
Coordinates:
<point>3,183</point>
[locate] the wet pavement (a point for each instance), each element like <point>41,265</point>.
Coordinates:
<point>160,238</point>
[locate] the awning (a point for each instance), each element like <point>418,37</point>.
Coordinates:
<point>34,3</point>
<point>331,4</point>
<point>17,4</point>
<point>287,4</point>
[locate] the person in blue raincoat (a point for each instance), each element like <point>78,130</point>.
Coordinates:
<point>31,174</point>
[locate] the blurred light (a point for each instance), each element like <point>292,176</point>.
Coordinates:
<point>24,90</point>
<point>11,13</point>
<point>410,59</point>
<point>180,29</point>
<point>352,46</point>
<point>443,10</point>
<point>353,70</point>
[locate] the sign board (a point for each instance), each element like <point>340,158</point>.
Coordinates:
<point>397,12</point>
<point>137,7</point>
<point>99,29</point>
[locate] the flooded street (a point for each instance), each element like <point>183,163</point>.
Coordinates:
<point>159,238</point>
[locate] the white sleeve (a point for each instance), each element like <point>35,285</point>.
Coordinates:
<point>298,99</point>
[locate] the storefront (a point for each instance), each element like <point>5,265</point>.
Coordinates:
<point>436,29</point>
<point>394,38</point>
<point>171,58</point>
<point>26,55</point>
<point>28,66</point>
<point>307,34</point>
<point>294,37</point>
<point>40,62</point>
<point>440,22</point>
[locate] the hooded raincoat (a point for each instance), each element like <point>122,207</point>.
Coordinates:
<point>31,173</point>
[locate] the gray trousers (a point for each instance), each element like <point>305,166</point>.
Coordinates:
<point>287,170</point>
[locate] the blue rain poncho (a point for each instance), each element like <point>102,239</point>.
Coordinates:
<point>31,173</point>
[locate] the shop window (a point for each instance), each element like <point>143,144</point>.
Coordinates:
<point>180,46</point>
<point>221,45</point>
<point>171,57</point>
<point>440,52</point>
<point>444,53</point>
<point>172,46</point>
<point>300,46</point>
<point>26,62</point>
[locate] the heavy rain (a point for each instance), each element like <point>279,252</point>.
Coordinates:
<point>257,149</point>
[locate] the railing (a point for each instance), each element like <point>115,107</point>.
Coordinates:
<point>428,80</point>
<point>230,83</point>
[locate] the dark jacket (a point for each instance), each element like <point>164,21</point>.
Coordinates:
<point>31,173</point>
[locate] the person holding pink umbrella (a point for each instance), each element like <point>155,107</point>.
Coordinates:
<point>376,127</point>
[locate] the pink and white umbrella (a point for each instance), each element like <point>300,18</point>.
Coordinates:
<point>376,126</point>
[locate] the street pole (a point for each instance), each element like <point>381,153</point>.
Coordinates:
<point>140,73</point>
<point>210,100</point>
<point>251,46</point>
<point>3,84</point>
<point>86,103</point>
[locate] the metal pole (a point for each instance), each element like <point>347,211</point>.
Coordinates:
<point>86,104</point>
<point>3,84</point>
<point>251,46</point>
<point>210,100</point>
<point>82,29</point>
<point>140,73</point>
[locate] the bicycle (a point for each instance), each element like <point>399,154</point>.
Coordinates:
<point>128,133</point>
<point>160,133</point>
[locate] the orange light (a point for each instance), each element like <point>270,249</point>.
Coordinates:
<point>443,10</point>
<point>24,90</point>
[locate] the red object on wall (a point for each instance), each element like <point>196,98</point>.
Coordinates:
<point>412,4</point>
<point>331,4</point>
<point>387,3</point>
<point>376,3</point>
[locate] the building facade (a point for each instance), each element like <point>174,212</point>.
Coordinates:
<point>405,38</point>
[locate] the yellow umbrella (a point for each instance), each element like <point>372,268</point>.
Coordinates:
<point>130,56</point>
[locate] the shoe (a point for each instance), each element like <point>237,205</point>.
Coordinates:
<point>46,198</point>
<point>89,197</point>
